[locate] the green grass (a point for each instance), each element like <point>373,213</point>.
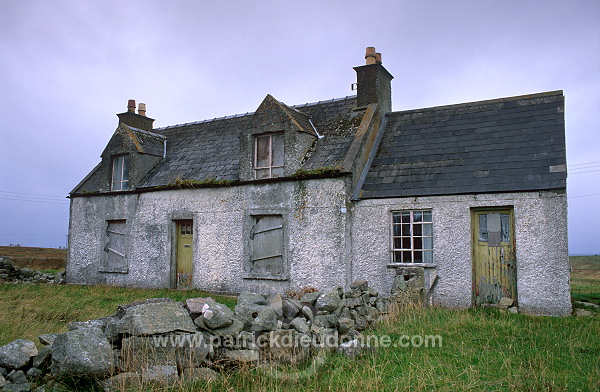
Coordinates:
<point>482,349</point>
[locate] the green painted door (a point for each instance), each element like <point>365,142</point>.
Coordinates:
<point>185,236</point>
<point>494,263</point>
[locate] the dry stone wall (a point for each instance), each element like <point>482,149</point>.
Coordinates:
<point>166,342</point>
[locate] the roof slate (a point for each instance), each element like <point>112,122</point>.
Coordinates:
<point>211,149</point>
<point>502,145</point>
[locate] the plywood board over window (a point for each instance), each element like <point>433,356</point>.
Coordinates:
<point>115,249</point>
<point>266,238</point>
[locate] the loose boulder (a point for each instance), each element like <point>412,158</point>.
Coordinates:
<point>80,353</point>
<point>17,353</point>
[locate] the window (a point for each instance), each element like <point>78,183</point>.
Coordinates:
<point>268,156</point>
<point>116,247</point>
<point>494,228</point>
<point>120,173</point>
<point>412,236</point>
<point>266,241</point>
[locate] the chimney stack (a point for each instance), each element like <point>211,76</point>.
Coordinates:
<point>373,82</point>
<point>136,120</point>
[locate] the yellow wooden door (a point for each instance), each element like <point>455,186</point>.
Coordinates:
<point>184,254</point>
<point>494,262</point>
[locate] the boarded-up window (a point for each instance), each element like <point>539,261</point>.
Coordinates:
<point>268,156</point>
<point>412,236</point>
<point>266,238</point>
<point>115,259</point>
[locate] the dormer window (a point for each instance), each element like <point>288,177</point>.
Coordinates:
<point>268,156</point>
<point>120,173</point>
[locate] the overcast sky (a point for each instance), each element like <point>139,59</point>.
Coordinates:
<point>67,67</point>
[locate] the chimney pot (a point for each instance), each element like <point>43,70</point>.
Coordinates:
<point>142,109</point>
<point>378,58</point>
<point>131,105</point>
<point>370,55</point>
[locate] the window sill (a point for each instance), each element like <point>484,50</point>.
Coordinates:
<point>114,270</point>
<point>264,277</point>
<point>404,265</point>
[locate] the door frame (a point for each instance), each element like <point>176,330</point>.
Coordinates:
<point>174,244</point>
<point>475,236</point>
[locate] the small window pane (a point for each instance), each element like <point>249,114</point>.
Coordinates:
<point>418,257</point>
<point>396,217</point>
<point>263,158</point>
<point>405,229</point>
<point>406,217</point>
<point>417,229</point>
<point>428,229</point>
<point>505,224</point>
<point>277,150</point>
<point>407,257</point>
<point>427,216</point>
<point>418,216</point>
<point>428,257</point>
<point>125,168</point>
<point>418,241</point>
<point>397,231</point>
<point>406,243</point>
<point>483,234</point>
<point>428,243</point>
<point>397,257</point>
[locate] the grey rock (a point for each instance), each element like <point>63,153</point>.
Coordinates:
<point>233,330</point>
<point>17,377</point>
<point>197,353</point>
<point>239,356</point>
<point>275,301</point>
<point>286,346</point>
<point>122,381</point>
<point>505,301</point>
<point>83,352</point>
<point>266,320</point>
<point>291,308</point>
<point>399,284</point>
<point>34,373</point>
<point>310,298</point>
<point>27,272</point>
<point>329,302</point>
<point>361,285</point>
<point>160,374</point>
<point>216,315</point>
<point>122,309</point>
<point>345,324</point>
<point>328,339</point>
<point>140,352</point>
<point>47,339</point>
<point>354,348</point>
<point>3,381</point>
<point>308,312</point>
<point>300,325</point>
<point>3,372</point>
<point>372,292</point>
<point>17,353</point>
<point>152,319</point>
<point>353,302</point>
<point>582,312</point>
<point>42,359</point>
<point>195,305</point>
<point>25,387</point>
<point>326,320</point>
<point>513,310</point>
<point>247,312</point>
<point>199,373</point>
<point>247,297</point>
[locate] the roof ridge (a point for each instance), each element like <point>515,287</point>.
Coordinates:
<point>295,107</point>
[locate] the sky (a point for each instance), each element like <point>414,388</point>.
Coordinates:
<point>68,67</point>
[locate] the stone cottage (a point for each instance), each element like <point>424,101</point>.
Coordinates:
<point>469,198</point>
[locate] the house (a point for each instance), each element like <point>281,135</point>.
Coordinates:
<point>471,198</point>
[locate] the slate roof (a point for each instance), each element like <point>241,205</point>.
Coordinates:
<point>144,141</point>
<point>502,145</point>
<point>211,148</point>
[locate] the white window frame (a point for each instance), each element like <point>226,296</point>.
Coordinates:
<point>398,254</point>
<point>118,183</point>
<point>270,167</point>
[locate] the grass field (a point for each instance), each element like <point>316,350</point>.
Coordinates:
<point>482,350</point>
<point>36,258</point>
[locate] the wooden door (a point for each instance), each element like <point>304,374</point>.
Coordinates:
<point>494,263</point>
<point>184,255</point>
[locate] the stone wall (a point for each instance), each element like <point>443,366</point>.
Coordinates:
<point>11,273</point>
<point>166,342</point>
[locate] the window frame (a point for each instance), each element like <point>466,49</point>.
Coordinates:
<point>256,168</point>
<point>249,229</point>
<point>397,254</point>
<point>121,179</point>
